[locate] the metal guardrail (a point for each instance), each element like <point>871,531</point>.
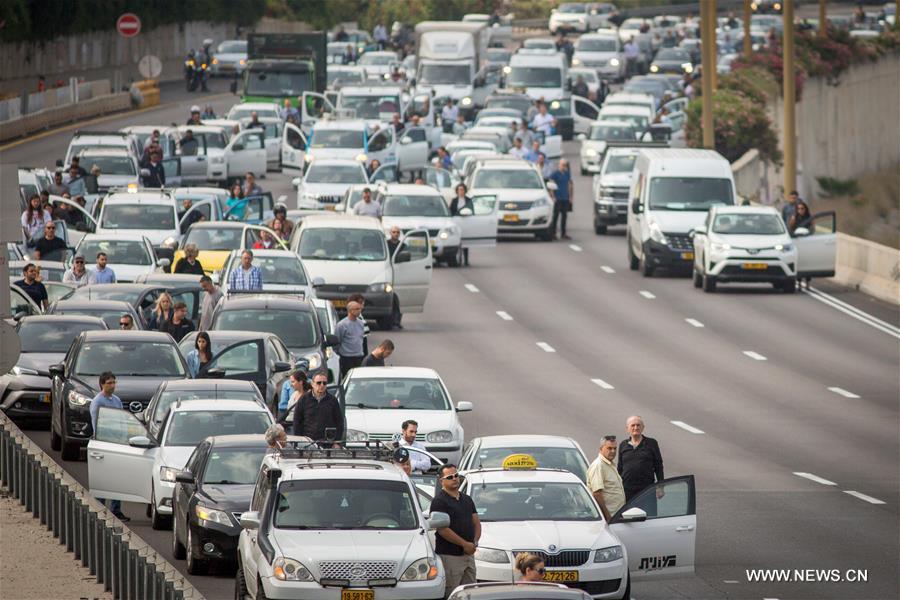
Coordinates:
<point>125,564</point>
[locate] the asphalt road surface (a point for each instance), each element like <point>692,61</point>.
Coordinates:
<point>785,408</point>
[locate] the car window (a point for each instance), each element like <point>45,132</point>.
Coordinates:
<point>242,359</point>
<point>345,504</point>
<point>398,205</point>
<point>337,138</point>
<point>296,328</point>
<point>569,459</point>
<point>124,252</point>
<point>689,193</point>
<point>276,270</point>
<point>342,244</point>
<point>533,501</point>
<point>170,397</point>
<point>386,393</point>
<point>54,336</point>
<point>129,359</point>
<point>507,179</point>
<point>233,466</point>
<point>674,501</point>
<point>748,224</point>
<point>335,174</point>
<point>189,428</point>
<point>117,426</point>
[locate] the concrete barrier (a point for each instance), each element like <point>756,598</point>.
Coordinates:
<point>748,175</point>
<point>869,267</point>
<point>61,115</point>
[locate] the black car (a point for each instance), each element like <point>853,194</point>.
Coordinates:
<point>180,390</point>
<point>107,310</point>
<point>248,356</point>
<point>672,60</point>
<point>140,360</point>
<point>143,296</point>
<point>25,390</point>
<point>210,494</point>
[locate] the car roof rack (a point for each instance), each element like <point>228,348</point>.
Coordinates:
<point>372,450</point>
<point>115,133</point>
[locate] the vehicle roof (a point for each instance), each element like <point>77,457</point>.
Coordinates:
<point>499,162</point>
<point>624,109</point>
<point>340,222</point>
<point>746,210</point>
<point>337,162</point>
<point>231,336</point>
<point>499,475</point>
<point>613,122</point>
<point>218,406</point>
<point>85,291</point>
<point>218,225</point>
<point>266,301</point>
<point>198,190</point>
<point>104,237</point>
<point>101,134</point>
<point>394,372</point>
<point>686,154</point>
<point>370,90</point>
<point>339,124</point>
<point>628,96</point>
<point>557,59</point>
<point>255,106</point>
<point>541,590</point>
<point>207,384</point>
<point>272,252</point>
<point>410,188</point>
<point>601,34</point>
<point>614,151</point>
<point>174,279</point>
<point>44,264</point>
<point>87,320</point>
<point>245,440</point>
<point>105,151</point>
<point>526,439</point>
<point>139,197</point>
<point>201,128</point>
<point>134,335</point>
<point>338,468</point>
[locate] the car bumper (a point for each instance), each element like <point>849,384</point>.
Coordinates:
<point>524,221</point>
<point>667,257</point>
<point>600,580</point>
<point>750,269</point>
<point>607,212</point>
<point>448,452</point>
<point>445,252</point>
<point>164,490</point>
<point>27,403</point>
<point>568,26</point>
<point>224,540</point>
<point>276,589</point>
<point>591,163</point>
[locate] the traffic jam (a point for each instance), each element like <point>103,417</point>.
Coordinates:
<point>204,344</point>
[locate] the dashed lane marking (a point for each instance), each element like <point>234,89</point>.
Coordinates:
<point>815,478</point>
<point>545,347</point>
<point>607,269</point>
<point>754,355</point>
<point>472,288</point>
<point>842,392</point>
<point>695,322</point>
<point>504,315</point>
<point>575,247</point>
<point>686,427</point>
<point>647,295</point>
<point>603,384</point>
<point>862,496</point>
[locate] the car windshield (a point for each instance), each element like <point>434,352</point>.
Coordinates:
<point>498,55</point>
<point>370,58</point>
<point>337,138</point>
<point>533,501</point>
<point>55,336</point>
<point>520,104</point>
<point>415,206</point>
<point>138,216</point>
<point>545,77</point>
<point>344,76</point>
<point>438,74</point>
<point>597,45</point>
<point>519,179</point>
<point>371,107</point>
<point>748,224</point>
<point>342,244</point>
<point>623,163</point>
<point>233,466</point>
<point>213,139</point>
<point>569,459</point>
<point>399,393</point>
<point>540,44</point>
<point>646,86</point>
<point>214,239</point>
<point>689,193</point>
<point>560,108</point>
<point>588,76</point>
<point>110,317</point>
<point>296,328</point>
<point>129,358</point>
<point>571,8</point>
<point>335,174</point>
<point>122,252</point>
<point>233,47</point>
<point>673,54</point>
<point>639,122</point>
<point>189,428</point>
<point>110,165</point>
<point>170,397</point>
<point>609,133</point>
<point>345,504</point>
<point>278,83</point>
<point>277,270</point>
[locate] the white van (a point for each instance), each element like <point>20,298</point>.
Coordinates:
<point>673,190</point>
<point>538,75</point>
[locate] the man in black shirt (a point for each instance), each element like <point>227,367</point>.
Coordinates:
<point>456,544</point>
<point>317,411</point>
<point>179,325</point>
<point>377,357</point>
<point>31,286</point>
<point>48,247</point>
<point>639,459</point>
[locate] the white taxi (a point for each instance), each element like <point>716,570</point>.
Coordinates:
<point>551,513</point>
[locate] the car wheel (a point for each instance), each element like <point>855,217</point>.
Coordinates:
<point>646,267</point>
<point>240,585</point>
<point>698,279</point>
<point>584,171</point>
<point>627,594</point>
<point>178,550</point>
<point>453,261</point>
<point>709,284</point>
<point>195,566</point>
<point>599,229</point>
<point>633,262</point>
<point>55,439</point>
<point>790,286</point>
<point>158,521</point>
<point>545,235</point>
<point>70,450</point>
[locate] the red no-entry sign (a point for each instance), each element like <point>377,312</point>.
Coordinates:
<point>128,25</point>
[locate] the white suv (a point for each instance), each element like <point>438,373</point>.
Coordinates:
<point>523,201</point>
<point>410,206</point>
<point>334,524</point>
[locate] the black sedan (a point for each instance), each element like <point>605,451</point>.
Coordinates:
<point>108,310</point>
<point>184,390</point>
<point>25,390</point>
<point>140,360</point>
<point>210,494</point>
<point>143,296</point>
<point>672,60</point>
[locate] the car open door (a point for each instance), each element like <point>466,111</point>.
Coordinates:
<point>387,173</point>
<point>816,250</point>
<point>479,229</point>
<point>193,165</point>
<point>257,208</point>
<point>252,234</point>
<point>551,145</point>
<point>74,234</point>
<point>412,151</point>
<point>412,263</point>
<point>659,529</point>
<point>172,168</point>
<point>313,107</point>
<point>584,113</point>
<point>205,208</point>
<point>293,147</point>
<point>443,180</point>
<point>246,152</point>
<point>120,457</point>
<point>381,146</point>
<point>242,360</point>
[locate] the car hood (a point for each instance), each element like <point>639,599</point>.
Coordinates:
<point>341,153</point>
<point>135,389</point>
<point>325,189</point>
<point>385,420</point>
<point>156,236</point>
<point>175,456</point>
<point>511,195</point>
<point>616,180</point>
<point>39,361</point>
<point>750,242</point>
<point>542,535</point>
<point>106,181</point>
<point>349,272</point>
<point>416,222</point>
<point>229,497</point>
<point>212,260</point>
<point>598,145</point>
<point>547,93</point>
<point>456,92</point>
<point>128,273</point>
<point>676,221</point>
<point>595,56</point>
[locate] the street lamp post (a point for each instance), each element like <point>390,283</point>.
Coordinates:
<point>790,150</point>
<point>707,43</point>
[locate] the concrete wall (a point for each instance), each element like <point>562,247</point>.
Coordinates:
<point>871,268</point>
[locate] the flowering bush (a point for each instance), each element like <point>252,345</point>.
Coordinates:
<point>756,83</point>
<point>740,122</point>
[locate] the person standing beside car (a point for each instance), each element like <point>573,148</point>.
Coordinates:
<point>211,297</point>
<point>640,461</point>
<point>317,412</point>
<point>31,286</point>
<point>604,480</point>
<point>350,332</point>
<point>188,264</point>
<point>179,325</point>
<point>563,195</point>
<point>107,398</point>
<point>457,543</point>
<point>78,273</point>
<point>47,245</point>
<point>199,358</point>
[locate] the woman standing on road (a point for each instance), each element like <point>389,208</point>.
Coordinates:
<point>461,201</point>
<point>189,263</point>
<point>801,218</point>
<point>162,312</point>
<point>198,359</point>
<point>531,566</point>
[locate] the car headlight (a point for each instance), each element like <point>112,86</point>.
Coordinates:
<point>591,152</point>
<point>608,554</point>
<point>466,101</point>
<point>439,437</point>
<point>491,555</point>
<point>656,233</point>
<point>424,569</point>
<point>314,359</point>
<point>76,399</point>
<point>311,157</point>
<point>688,67</point>
<point>168,474</point>
<point>243,61</point>
<point>169,242</point>
<point>576,62</point>
<point>354,435</point>
<point>17,370</point>
<point>542,201</point>
<point>717,247</point>
<point>614,62</point>
<point>217,160</point>
<point>447,232</point>
<point>212,515</point>
<point>362,157</point>
<point>378,288</point>
<point>784,247</point>
<point>215,61</point>
<point>288,569</point>
<point>654,68</point>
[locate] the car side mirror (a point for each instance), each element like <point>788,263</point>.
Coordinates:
<point>216,373</point>
<point>280,366</point>
<point>581,137</point>
<point>464,406</point>
<point>636,207</point>
<point>296,181</point>
<point>233,87</point>
<point>164,262</point>
<point>59,162</point>
<point>402,257</point>
<point>140,441</point>
<point>800,232</point>
<point>250,519</point>
<point>20,315</point>
<point>438,520</point>
<point>237,146</point>
<point>185,477</point>
<point>405,140</point>
<point>465,212</point>
<point>318,282</point>
<point>332,340</point>
<point>145,172</point>
<point>695,231</point>
<point>633,515</point>
<point>57,370</point>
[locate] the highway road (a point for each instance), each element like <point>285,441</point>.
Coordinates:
<point>785,408</point>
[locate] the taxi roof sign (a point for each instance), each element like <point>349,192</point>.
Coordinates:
<point>519,462</point>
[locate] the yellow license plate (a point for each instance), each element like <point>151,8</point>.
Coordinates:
<point>510,218</point>
<point>357,594</point>
<point>755,266</point>
<point>339,303</point>
<point>561,576</point>
<point>45,398</point>
<point>330,207</point>
<point>687,255</point>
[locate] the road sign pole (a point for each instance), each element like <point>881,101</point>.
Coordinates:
<point>748,42</point>
<point>823,20</point>
<point>706,122</point>
<point>790,151</point>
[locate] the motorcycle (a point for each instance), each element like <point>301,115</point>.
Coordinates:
<point>195,72</point>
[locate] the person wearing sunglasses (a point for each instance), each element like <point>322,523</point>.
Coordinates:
<point>48,246</point>
<point>531,567</point>
<point>456,544</point>
<point>126,323</point>
<point>78,274</point>
<point>318,413</point>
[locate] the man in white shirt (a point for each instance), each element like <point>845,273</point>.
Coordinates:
<point>604,480</point>
<point>517,150</point>
<point>367,207</point>
<point>420,462</point>
<point>543,121</point>
<point>449,112</point>
<point>632,51</point>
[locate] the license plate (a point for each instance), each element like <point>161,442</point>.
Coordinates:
<point>357,594</point>
<point>330,207</point>
<point>687,255</point>
<point>561,576</point>
<point>339,303</point>
<point>510,218</point>
<point>45,398</point>
<point>755,266</point>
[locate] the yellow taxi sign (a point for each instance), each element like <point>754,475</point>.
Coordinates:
<point>519,461</point>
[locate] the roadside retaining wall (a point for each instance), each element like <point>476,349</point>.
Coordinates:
<point>60,115</point>
<point>871,268</point>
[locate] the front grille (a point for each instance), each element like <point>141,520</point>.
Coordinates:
<point>516,205</point>
<point>619,194</point>
<point>328,199</point>
<point>604,586</point>
<point>354,570</point>
<point>237,516</point>
<point>681,243</point>
<point>381,437</point>
<point>739,271</point>
<point>342,289</point>
<point>519,223</point>
<point>566,558</point>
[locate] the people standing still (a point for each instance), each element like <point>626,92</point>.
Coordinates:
<point>188,264</point>
<point>208,113</point>
<point>126,322</point>
<point>75,163</point>
<point>34,218</point>
<point>517,150</point>
<point>162,312</point>
<point>367,207</point>
<point>459,127</point>
<point>58,188</point>
<point>199,358</point>
<point>563,198</point>
<point>580,87</point>
<point>317,412</point>
<point>350,332</point>
<point>524,134</point>
<point>236,203</point>
<point>251,188</point>
<point>291,390</point>
<point>278,233</point>
<point>77,274</point>
<point>189,144</point>
<point>102,274</point>
<point>211,297</point>
<point>288,111</point>
<point>456,544</point>
<point>604,480</point>
<point>156,178</point>
<point>380,35</point>
<point>640,460</point>
<point>459,202</point>
<point>631,52</point>
<point>801,218</point>
<point>107,398</point>
<point>534,152</point>
<point>247,277</point>
<point>444,160</point>
<point>449,113</point>
<point>179,325</point>
<point>192,215</point>
<point>194,119</point>
<point>45,247</point>
<point>530,567</point>
<point>31,286</point>
<point>543,120</point>
<point>397,124</point>
<point>545,166</point>
<point>280,214</point>
<point>373,166</point>
<point>790,206</point>
<point>409,429</point>
<point>381,353</point>
<point>393,242</point>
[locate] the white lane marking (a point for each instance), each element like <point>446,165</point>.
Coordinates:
<point>854,312</point>
<point>607,269</point>
<point>730,581</point>
<point>686,427</point>
<point>815,478</point>
<point>545,347</point>
<point>842,392</point>
<point>504,315</point>
<point>472,288</point>
<point>647,295</point>
<point>575,247</point>
<point>695,322</point>
<point>862,496</point>
<point>754,355</point>
<point>603,384</point>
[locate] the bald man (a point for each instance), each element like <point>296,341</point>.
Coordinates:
<point>640,460</point>
<point>351,332</point>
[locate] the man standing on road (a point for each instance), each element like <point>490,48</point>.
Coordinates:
<point>350,332</point>
<point>790,206</point>
<point>604,480</point>
<point>317,411</point>
<point>47,245</point>
<point>157,176</point>
<point>211,297</point>
<point>367,207</point>
<point>377,357</point>
<point>107,397</point>
<point>639,459</point>
<point>58,188</point>
<point>251,188</point>
<point>449,113</point>
<point>517,150</point>
<point>563,195</point>
<point>247,277</point>
<point>418,461</point>
<point>102,274</point>
<point>179,325</point>
<point>78,274</point>
<point>524,134</point>
<point>580,87</point>
<point>31,286</point>
<point>456,544</point>
<point>543,121</point>
<point>631,51</point>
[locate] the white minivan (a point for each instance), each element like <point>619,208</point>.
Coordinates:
<point>540,76</point>
<point>673,190</point>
